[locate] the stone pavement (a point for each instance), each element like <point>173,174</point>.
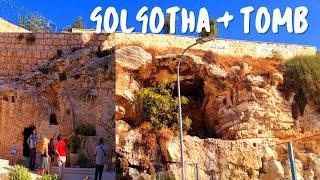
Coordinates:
<point>69,174</point>
<point>82,173</point>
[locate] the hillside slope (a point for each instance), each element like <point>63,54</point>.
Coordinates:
<point>239,117</point>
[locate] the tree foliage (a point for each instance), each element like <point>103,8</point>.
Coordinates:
<point>157,106</point>
<point>78,23</point>
<point>166,27</point>
<point>85,129</point>
<point>302,78</point>
<point>213,30</point>
<point>36,23</point>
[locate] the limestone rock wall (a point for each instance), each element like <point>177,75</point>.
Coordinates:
<point>243,124</point>
<point>77,87</point>
<point>21,52</point>
<point>220,46</point>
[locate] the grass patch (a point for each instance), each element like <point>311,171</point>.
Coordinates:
<point>260,66</point>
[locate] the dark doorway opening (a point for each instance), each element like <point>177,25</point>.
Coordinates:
<point>193,90</point>
<point>26,134</point>
<point>53,119</point>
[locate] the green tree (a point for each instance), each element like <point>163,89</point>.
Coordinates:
<point>36,23</point>
<point>213,30</point>
<point>166,27</point>
<point>78,23</point>
<point>302,79</point>
<point>157,106</point>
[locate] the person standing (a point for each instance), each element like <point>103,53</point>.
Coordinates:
<point>61,151</point>
<point>44,156</point>
<point>32,143</point>
<point>100,153</point>
<point>51,152</point>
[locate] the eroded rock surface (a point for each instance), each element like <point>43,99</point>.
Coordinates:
<point>239,121</point>
<point>76,87</point>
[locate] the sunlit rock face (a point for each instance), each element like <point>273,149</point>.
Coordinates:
<point>234,105</point>
<point>239,117</point>
<point>56,96</point>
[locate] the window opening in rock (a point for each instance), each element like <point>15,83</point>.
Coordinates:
<point>5,98</point>
<point>53,119</point>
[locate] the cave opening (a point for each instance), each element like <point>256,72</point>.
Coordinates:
<point>193,90</point>
<point>26,134</point>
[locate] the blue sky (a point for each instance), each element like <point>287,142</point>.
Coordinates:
<point>64,12</point>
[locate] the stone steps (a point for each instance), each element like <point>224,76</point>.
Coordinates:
<point>81,173</point>
<point>4,163</point>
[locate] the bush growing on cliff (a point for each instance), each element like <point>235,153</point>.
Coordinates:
<point>159,107</point>
<point>74,144</point>
<point>302,78</point>
<point>85,129</point>
<point>19,173</point>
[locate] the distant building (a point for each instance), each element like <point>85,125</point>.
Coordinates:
<point>8,27</point>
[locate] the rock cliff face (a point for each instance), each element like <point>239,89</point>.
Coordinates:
<point>240,118</point>
<point>72,88</point>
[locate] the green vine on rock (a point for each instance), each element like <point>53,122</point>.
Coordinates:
<point>157,106</point>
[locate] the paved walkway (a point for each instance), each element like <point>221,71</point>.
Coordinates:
<point>81,173</point>
<point>105,176</point>
<point>69,174</point>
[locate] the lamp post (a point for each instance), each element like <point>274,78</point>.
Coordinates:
<point>198,41</point>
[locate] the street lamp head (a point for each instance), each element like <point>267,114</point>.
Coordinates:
<point>203,40</point>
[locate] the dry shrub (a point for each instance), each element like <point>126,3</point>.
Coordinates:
<point>149,141</point>
<point>155,51</point>
<point>282,152</point>
<point>210,57</point>
<point>259,65</point>
<point>144,162</point>
<point>298,155</point>
<point>164,133</point>
<point>147,165</point>
<point>308,146</point>
<point>164,76</point>
<point>129,44</point>
<point>145,127</point>
<point>124,164</point>
<point>312,146</point>
<point>122,136</point>
<point>172,50</point>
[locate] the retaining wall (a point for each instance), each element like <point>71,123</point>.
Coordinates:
<point>220,46</point>
<point>20,52</point>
